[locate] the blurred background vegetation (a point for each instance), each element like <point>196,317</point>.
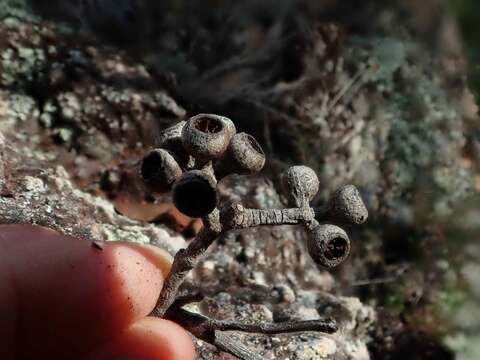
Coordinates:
<point>467,12</point>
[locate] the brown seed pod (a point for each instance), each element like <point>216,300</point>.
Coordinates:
<point>171,139</point>
<point>327,244</point>
<point>159,170</point>
<point>206,136</point>
<point>346,205</point>
<point>173,132</point>
<point>195,193</point>
<point>244,156</point>
<point>300,184</point>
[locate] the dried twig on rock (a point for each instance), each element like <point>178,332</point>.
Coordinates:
<point>214,151</point>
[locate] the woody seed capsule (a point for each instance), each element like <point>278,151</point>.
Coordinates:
<point>159,170</point>
<point>171,139</point>
<point>300,185</point>
<point>195,193</point>
<point>327,244</point>
<point>206,136</point>
<point>346,205</point>
<point>244,156</point>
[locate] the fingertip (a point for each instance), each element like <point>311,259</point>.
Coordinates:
<point>74,294</point>
<point>158,256</point>
<point>138,272</point>
<point>150,338</point>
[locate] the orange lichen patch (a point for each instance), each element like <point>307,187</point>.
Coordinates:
<point>140,210</point>
<point>477,183</point>
<point>179,219</point>
<point>196,225</point>
<point>173,218</point>
<point>467,162</point>
<point>162,212</point>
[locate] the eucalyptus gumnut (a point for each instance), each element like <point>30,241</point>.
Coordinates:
<point>328,245</point>
<point>171,133</point>
<point>346,205</point>
<point>171,139</point>
<point>300,185</point>
<point>244,156</point>
<point>207,136</point>
<point>159,170</point>
<point>195,193</point>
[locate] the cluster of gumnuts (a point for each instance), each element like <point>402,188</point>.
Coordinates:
<point>195,154</point>
<point>191,158</point>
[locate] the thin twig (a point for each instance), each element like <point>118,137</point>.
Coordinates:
<point>212,330</point>
<point>377,281</point>
<point>183,300</point>
<point>200,327</point>
<point>185,260</point>
<point>194,320</point>
<point>398,272</point>
<point>229,345</point>
<point>344,90</point>
<point>325,326</point>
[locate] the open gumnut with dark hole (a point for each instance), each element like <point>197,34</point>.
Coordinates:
<point>328,245</point>
<point>206,136</point>
<point>195,193</point>
<point>159,170</point>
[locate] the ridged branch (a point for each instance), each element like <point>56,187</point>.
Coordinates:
<point>184,261</point>
<point>212,330</point>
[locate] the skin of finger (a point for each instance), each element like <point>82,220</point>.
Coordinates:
<point>68,295</point>
<point>148,339</point>
<point>7,316</point>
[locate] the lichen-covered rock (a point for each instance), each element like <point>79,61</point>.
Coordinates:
<point>91,99</point>
<point>346,344</point>
<point>34,191</point>
<point>392,147</point>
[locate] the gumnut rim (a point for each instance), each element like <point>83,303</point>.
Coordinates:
<point>195,194</point>
<point>207,136</point>
<point>328,245</point>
